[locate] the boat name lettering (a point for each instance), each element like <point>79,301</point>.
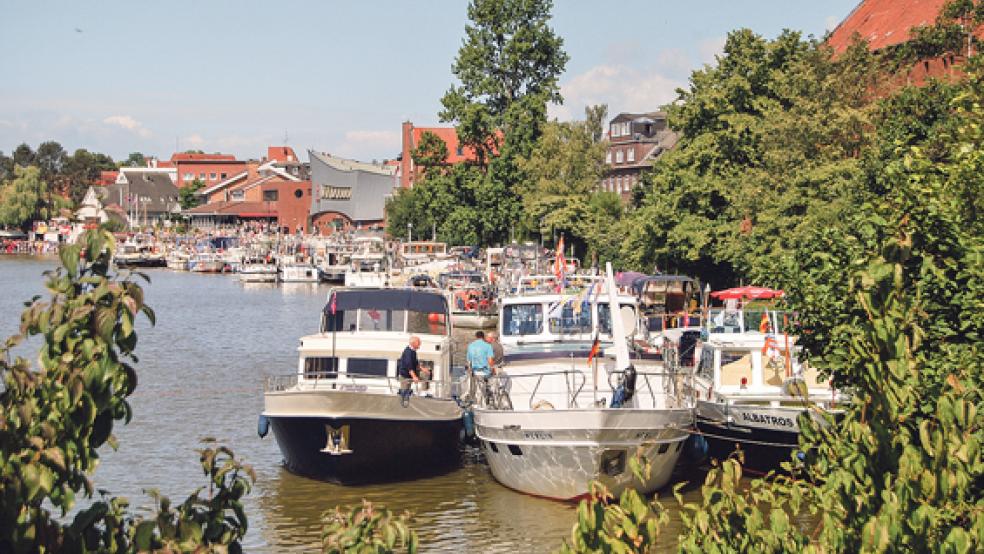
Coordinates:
<point>767,419</point>
<point>329,192</point>
<point>537,435</point>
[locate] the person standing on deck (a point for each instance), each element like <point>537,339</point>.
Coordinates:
<point>408,368</point>
<point>498,355</point>
<point>479,357</point>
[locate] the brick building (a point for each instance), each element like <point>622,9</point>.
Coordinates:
<point>411,137</point>
<point>634,141</point>
<point>886,24</point>
<point>208,168</point>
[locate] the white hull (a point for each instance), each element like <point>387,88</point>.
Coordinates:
<point>365,279</point>
<point>299,274</point>
<point>177,265</point>
<point>558,453</point>
<point>253,276</point>
<point>206,267</point>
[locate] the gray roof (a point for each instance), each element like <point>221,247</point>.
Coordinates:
<point>362,187</point>
<point>153,192</point>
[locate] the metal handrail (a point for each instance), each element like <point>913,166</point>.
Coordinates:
<point>288,381</point>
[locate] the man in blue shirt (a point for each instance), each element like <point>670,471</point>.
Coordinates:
<point>479,357</point>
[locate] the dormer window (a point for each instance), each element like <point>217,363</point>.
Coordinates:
<point>615,129</point>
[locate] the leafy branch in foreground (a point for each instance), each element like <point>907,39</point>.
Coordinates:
<point>54,418</point>
<point>366,529</point>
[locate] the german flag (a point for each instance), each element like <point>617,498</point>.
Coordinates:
<point>595,349</point>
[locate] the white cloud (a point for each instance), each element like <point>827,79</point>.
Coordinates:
<point>193,140</point>
<point>129,124</point>
<point>623,88</point>
<point>367,145</point>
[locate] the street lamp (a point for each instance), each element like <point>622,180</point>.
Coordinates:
<point>409,231</point>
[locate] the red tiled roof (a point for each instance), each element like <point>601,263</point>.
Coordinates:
<point>190,157</point>
<point>884,23</point>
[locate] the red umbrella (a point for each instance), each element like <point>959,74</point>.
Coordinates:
<point>757,293</point>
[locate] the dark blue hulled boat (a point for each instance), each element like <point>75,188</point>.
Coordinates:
<point>340,417</point>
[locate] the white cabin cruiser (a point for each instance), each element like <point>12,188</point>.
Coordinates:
<point>557,422</point>
<point>299,272</point>
<point>751,389</point>
<point>340,417</point>
<point>473,302</point>
<point>368,264</point>
<point>258,272</point>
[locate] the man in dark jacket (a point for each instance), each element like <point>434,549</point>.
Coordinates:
<point>408,369</point>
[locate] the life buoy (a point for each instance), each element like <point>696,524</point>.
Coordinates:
<point>471,305</point>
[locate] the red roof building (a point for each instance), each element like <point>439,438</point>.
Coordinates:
<point>887,23</point>
<point>411,139</point>
<point>107,178</point>
<point>210,169</point>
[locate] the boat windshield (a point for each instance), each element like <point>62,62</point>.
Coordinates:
<point>724,320</point>
<point>522,319</point>
<point>571,319</point>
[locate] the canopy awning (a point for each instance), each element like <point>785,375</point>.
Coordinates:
<point>387,299</point>
<point>755,293</point>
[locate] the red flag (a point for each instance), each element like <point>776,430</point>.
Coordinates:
<point>334,305</point>
<point>764,324</point>
<point>595,349</point>
<point>374,315</point>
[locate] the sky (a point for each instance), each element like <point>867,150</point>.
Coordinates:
<point>332,76</point>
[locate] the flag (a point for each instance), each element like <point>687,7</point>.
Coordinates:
<point>764,324</point>
<point>559,263</point>
<point>595,349</point>
<point>373,314</point>
<point>334,305</point>
<point>770,344</point>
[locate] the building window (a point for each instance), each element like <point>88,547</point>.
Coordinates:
<point>618,183</point>
<point>630,155</point>
<point>222,176</point>
<point>615,128</point>
<point>298,193</point>
<point>460,151</point>
<point>201,176</point>
<point>619,156</point>
<point>269,196</point>
<point>608,157</point>
<point>189,177</point>
<point>238,195</point>
<point>212,176</point>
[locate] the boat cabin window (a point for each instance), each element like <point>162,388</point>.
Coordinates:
<point>735,366</point>
<point>321,368</point>
<point>605,317</point>
<point>367,366</point>
<point>381,320</point>
<point>571,319</point>
<point>725,321</point>
<point>426,324</point>
<point>341,320</point>
<point>522,319</point>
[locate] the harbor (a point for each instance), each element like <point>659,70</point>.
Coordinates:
<point>201,373</point>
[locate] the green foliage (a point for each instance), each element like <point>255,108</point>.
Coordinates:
<point>561,195</point>
<point>365,529</point>
<point>188,195</point>
<point>448,201</point>
<point>135,159</point>
<point>54,418</point>
<point>432,152</point>
<point>25,198</point>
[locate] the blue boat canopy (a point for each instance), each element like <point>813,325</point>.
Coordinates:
<point>387,299</point>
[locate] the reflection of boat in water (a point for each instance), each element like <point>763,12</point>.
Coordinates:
<point>549,429</point>
<point>339,417</point>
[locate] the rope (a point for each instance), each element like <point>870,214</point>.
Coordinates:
<point>733,439</point>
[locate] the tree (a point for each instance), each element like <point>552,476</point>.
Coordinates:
<point>24,199</point>
<point>6,167</point>
<point>135,159</point>
<point>50,158</point>
<point>594,117</point>
<point>23,155</point>
<point>508,67</point>
<point>564,171</point>
<point>188,195</point>
<point>81,169</point>
<point>431,152</point>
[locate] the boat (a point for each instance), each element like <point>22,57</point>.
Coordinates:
<point>751,388</point>
<point>299,272</point>
<point>258,272</point>
<point>177,260</point>
<point>339,416</point>
<point>473,300</point>
<point>420,252</point>
<point>553,421</point>
<point>669,313</point>
<point>206,262</point>
<point>138,253</point>
<point>368,263</point>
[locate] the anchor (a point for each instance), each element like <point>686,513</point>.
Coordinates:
<point>337,442</point>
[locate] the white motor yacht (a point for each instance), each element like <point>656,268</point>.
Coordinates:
<point>558,420</point>
<point>298,272</point>
<point>340,416</point>
<point>473,301</point>
<point>206,262</point>
<point>258,272</point>
<point>750,387</point>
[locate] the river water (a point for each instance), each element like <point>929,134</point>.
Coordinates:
<point>201,374</point>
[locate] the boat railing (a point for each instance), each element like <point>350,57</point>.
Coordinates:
<point>358,382</point>
<point>671,382</point>
<point>574,381</point>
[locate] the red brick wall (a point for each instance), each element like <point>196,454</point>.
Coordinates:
<point>197,169</point>
<point>292,209</point>
<point>324,223</point>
